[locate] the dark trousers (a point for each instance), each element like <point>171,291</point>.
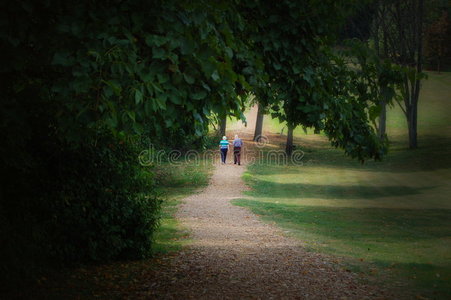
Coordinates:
<point>223,155</point>
<point>237,155</point>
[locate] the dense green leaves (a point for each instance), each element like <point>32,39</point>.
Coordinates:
<point>308,84</point>
<point>138,61</point>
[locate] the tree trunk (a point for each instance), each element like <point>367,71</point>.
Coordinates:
<point>259,123</point>
<point>412,125</point>
<point>378,25</point>
<point>439,56</point>
<point>383,119</point>
<point>222,126</point>
<point>413,110</point>
<point>289,147</point>
<point>383,114</point>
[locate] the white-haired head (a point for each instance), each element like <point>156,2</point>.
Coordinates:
<point>224,137</point>
<point>236,136</point>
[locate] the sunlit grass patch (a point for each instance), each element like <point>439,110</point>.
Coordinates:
<point>170,236</point>
<point>390,218</point>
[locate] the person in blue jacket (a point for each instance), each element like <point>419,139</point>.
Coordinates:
<point>224,147</point>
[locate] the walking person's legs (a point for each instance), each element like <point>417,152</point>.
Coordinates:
<point>222,156</point>
<point>225,155</point>
<point>236,155</point>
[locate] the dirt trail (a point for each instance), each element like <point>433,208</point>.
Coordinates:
<point>233,255</point>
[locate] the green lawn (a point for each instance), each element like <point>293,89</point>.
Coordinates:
<point>391,217</point>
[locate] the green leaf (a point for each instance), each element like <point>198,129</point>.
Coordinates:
<point>199,95</point>
<point>168,123</point>
<point>114,85</point>
<point>131,115</point>
<point>187,46</point>
<point>198,117</point>
<point>161,101</point>
<point>146,77</point>
<point>162,78</point>
<point>148,107</point>
<point>205,86</point>
<point>138,97</point>
<point>111,122</point>
<point>228,52</point>
<point>215,76</point>
<point>188,79</point>
<point>137,128</point>
<point>308,72</point>
<point>208,67</point>
<point>175,99</point>
<point>248,70</point>
<point>107,91</point>
<point>160,40</point>
<point>149,40</point>
<point>177,79</point>
<point>158,53</point>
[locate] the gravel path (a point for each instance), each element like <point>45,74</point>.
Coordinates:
<point>233,255</point>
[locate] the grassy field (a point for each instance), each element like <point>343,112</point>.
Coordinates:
<point>391,217</point>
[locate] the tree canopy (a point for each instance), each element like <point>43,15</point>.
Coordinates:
<point>169,66</point>
<point>83,82</point>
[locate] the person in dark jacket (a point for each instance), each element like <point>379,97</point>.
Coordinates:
<point>237,145</point>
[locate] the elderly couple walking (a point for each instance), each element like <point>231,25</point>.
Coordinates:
<point>224,147</point>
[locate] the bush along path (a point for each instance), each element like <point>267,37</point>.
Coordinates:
<point>233,255</point>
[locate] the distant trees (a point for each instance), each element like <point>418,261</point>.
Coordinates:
<point>408,41</point>
<point>398,34</point>
<point>438,40</point>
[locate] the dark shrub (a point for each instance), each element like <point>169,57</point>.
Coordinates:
<point>63,204</point>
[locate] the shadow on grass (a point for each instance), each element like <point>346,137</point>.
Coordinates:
<point>434,153</point>
<point>353,224</point>
<point>430,279</point>
<point>263,188</point>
